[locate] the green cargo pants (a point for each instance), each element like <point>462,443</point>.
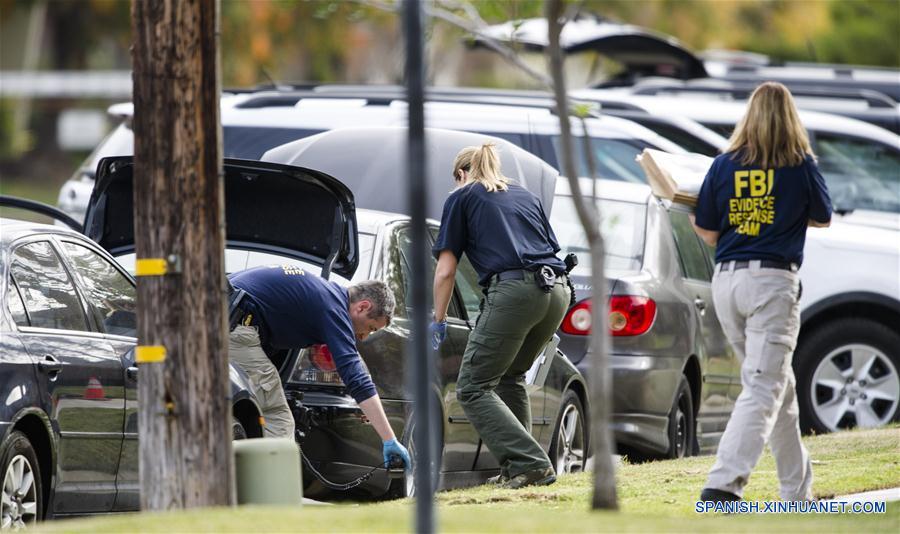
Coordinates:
<point>517,321</point>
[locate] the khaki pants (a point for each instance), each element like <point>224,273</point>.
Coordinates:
<point>517,321</point>
<point>244,349</point>
<point>760,315</point>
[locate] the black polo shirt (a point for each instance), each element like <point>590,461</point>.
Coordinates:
<point>500,231</point>
<point>299,309</point>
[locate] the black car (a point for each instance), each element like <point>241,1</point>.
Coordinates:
<point>334,435</point>
<point>68,380</point>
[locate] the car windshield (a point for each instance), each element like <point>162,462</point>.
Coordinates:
<point>622,227</point>
<point>239,260</point>
<point>614,158</point>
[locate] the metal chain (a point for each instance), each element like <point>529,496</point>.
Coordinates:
<point>339,487</point>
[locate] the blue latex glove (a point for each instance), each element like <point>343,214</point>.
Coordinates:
<point>438,332</point>
<point>392,447</point>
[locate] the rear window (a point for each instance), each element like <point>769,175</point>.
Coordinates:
<point>622,228</point>
<point>614,159</point>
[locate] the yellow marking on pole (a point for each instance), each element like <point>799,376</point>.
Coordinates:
<point>149,354</point>
<point>151,267</point>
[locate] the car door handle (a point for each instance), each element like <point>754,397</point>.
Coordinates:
<point>50,365</point>
<point>131,373</point>
<point>700,304</point>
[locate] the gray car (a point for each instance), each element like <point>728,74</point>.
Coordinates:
<point>675,378</point>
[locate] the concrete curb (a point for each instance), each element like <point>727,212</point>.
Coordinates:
<point>887,495</point>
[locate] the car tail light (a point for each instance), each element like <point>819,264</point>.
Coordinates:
<point>316,366</point>
<point>628,316</point>
<point>578,321</point>
<point>321,358</point>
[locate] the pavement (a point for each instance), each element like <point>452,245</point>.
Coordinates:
<point>886,495</point>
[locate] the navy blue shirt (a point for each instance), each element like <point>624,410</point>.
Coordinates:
<point>761,214</point>
<point>299,309</point>
<point>499,231</point>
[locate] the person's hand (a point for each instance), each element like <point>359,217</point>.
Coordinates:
<point>438,333</point>
<point>392,447</point>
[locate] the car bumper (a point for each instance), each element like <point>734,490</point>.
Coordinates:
<point>341,445</point>
<point>643,390</point>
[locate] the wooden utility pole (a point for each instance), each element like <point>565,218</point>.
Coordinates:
<point>184,415</point>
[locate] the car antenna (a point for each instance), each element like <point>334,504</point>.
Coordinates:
<point>275,85</point>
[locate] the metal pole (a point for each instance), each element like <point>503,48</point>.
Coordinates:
<point>419,354</point>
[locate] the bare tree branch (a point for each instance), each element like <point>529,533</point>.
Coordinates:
<point>604,495</point>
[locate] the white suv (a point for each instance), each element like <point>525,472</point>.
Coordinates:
<point>255,122</point>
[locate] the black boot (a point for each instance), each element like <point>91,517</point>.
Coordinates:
<point>714,495</point>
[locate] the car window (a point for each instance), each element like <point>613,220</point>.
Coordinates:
<point>682,138</point>
<point>46,288</point>
<point>251,142</point>
<point>860,173</point>
<point>622,227</point>
<point>724,130</point>
<point>694,260</point>
<point>468,289</point>
<point>399,270</point>
<point>15,304</point>
<point>613,158</point>
<point>466,286</point>
<point>109,291</point>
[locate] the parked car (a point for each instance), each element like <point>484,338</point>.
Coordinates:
<point>254,122</point>
<point>69,419</point>
<point>848,353</point>
<point>675,378</point>
<point>859,161</point>
<point>335,436</point>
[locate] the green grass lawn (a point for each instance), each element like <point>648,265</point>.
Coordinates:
<point>657,496</point>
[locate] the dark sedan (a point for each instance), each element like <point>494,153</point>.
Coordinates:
<point>675,378</point>
<point>68,420</point>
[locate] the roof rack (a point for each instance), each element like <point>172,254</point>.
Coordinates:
<point>742,91</point>
<point>387,94</point>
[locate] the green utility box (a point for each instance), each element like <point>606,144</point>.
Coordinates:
<point>267,471</point>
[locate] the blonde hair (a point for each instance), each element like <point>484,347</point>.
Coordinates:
<point>482,165</point>
<point>770,133</point>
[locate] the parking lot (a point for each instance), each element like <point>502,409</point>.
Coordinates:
<point>313,181</point>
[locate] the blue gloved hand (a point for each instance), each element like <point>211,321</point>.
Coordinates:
<point>391,447</point>
<point>438,332</point>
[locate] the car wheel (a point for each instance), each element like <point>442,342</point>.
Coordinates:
<point>847,376</point>
<point>568,445</point>
<point>405,486</point>
<point>682,423</point>
<point>237,430</point>
<point>21,493</point>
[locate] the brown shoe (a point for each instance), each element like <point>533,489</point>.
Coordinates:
<point>536,477</point>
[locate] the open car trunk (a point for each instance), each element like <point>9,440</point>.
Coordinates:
<point>277,209</point>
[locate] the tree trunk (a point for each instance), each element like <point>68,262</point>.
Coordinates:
<point>604,496</point>
<point>184,414</point>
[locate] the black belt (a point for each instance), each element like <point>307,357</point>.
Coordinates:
<point>522,274</point>
<point>735,265</point>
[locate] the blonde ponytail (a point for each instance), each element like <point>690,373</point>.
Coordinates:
<point>482,165</point>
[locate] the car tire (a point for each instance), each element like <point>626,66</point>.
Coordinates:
<point>405,486</point>
<point>568,443</point>
<point>682,426</point>
<point>237,430</point>
<point>21,487</point>
<point>847,376</point>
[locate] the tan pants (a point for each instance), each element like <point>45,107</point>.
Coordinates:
<point>244,349</point>
<point>759,312</point>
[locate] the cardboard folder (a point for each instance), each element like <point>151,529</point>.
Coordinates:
<point>676,177</point>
